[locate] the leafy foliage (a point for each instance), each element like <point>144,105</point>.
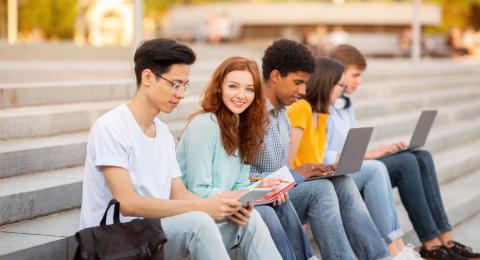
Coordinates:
<point>55,18</point>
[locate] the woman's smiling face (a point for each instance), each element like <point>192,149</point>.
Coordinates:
<point>238,91</point>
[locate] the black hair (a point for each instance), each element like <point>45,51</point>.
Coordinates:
<point>159,55</point>
<point>287,56</point>
<point>320,85</point>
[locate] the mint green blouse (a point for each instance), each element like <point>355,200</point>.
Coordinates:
<point>206,167</point>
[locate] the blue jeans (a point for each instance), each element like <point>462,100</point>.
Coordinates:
<point>374,184</point>
<point>340,222</point>
<point>286,230</point>
<point>415,176</point>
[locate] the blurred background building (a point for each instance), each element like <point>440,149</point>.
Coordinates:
<point>379,28</point>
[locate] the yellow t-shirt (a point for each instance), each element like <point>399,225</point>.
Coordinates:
<point>314,140</point>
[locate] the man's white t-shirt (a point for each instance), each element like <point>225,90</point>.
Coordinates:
<point>116,139</point>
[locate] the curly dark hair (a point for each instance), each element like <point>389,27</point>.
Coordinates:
<point>287,56</point>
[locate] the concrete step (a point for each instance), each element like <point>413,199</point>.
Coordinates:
<point>39,154</point>
<point>404,122</point>
<point>406,102</point>
<point>23,156</point>
<point>384,69</point>
<point>28,196</point>
<point>61,92</point>
<point>48,93</point>
<point>48,237</point>
<point>16,72</point>
<point>37,121</point>
<point>67,51</point>
<point>407,86</point>
<point>453,163</point>
<point>441,137</point>
<point>50,120</point>
<point>461,199</point>
<point>467,232</point>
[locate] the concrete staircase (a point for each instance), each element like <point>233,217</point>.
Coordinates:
<point>44,128</point>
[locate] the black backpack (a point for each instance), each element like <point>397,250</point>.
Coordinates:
<point>138,239</point>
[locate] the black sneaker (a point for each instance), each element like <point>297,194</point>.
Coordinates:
<point>440,252</point>
<point>463,250</point>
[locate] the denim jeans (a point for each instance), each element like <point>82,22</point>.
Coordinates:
<point>286,230</point>
<point>374,184</point>
<point>415,176</point>
<point>340,222</point>
<point>195,235</point>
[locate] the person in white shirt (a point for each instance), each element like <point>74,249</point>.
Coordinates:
<point>131,157</point>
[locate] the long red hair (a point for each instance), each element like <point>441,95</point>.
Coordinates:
<point>245,132</point>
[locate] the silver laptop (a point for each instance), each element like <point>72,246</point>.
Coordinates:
<point>353,152</point>
<point>422,129</point>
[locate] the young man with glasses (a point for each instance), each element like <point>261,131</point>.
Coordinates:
<point>131,157</point>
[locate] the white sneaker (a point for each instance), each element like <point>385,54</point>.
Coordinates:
<point>410,253</point>
<point>401,256</point>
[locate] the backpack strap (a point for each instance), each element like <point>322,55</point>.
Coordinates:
<point>116,212</point>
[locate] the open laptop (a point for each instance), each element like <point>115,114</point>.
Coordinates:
<point>422,129</point>
<point>353,152</point>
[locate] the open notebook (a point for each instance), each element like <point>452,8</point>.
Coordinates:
<point>285,175</point>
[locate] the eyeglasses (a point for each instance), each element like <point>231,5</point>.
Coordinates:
<point>343,85</point>
<point>178,88</point>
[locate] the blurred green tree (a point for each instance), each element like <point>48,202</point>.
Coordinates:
<point>458,13</point>
<point>54,18</point>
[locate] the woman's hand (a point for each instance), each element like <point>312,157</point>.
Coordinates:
<point>380,151</point>
<point>242,215</point>
<point>270,183</point>
<point>281,199</point>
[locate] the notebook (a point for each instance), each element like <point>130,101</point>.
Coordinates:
<point>284,174</point>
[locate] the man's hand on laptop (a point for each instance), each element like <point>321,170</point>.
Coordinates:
<point>328,169</point>
<point>384,150</point>
<point>309,170</point>
<point>400,146</point>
